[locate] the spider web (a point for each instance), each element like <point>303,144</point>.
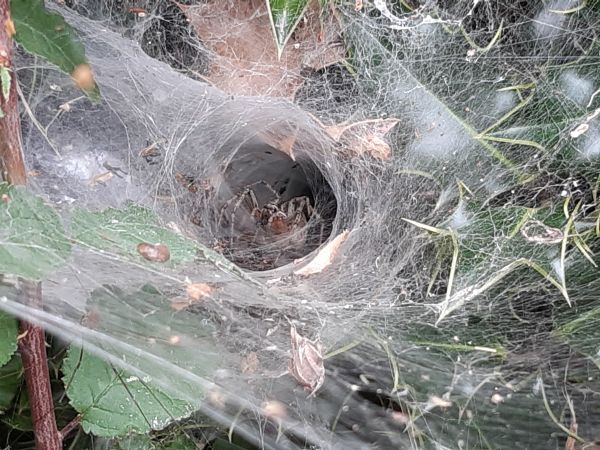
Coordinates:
<point>461,309</point>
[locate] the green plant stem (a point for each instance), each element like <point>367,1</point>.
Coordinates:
<point>32,340</point>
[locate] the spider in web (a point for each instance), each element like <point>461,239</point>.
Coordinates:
<point>275,217</point>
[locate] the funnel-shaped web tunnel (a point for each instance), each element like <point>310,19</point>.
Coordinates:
<point>264,206</point>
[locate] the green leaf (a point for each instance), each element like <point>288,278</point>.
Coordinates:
<point>112,402</point>
<point>10,380</point>
<point>494,236</point>
<point>8,337</point>
<point>145,315</point>
<point>32,239</point>
<point>48,35</point>
<point>20,417</point>
<point>120,231</point>
<point>582,332</point>
<point>285,15</point>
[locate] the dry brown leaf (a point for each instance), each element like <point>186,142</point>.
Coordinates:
<point>180,303</point>
<point>100,178</point>
<point>154,252</point>
<point>244,57</point>
<point>249,363</point>
<point>365,137</point>
<point>91,319</point>
<point>439,402</point>
<point>216,397</point>
<point>83,77</point>
<point>306,362</point>
<point>324,257</point>
<point>274,410</point>
<point>198,291</point>
<point>281,136</point>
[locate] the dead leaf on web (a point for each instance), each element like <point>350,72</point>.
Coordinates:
<point>244,58</point>
<point>282,136</point>
<point>180,303</point>
<point>324,257</point>
<point>306,362</point>
<point>249,363</point>
<point>365,137</point>
<point>101,178</point>
<point>198,291</point>
<point>274,410</point>
<point>154,252</point>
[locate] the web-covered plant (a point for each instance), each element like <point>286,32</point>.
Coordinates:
<point>378,229</point>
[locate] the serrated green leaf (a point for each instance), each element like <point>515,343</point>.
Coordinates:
<point>285,15</point>
<point>46,34</point>
<point>10,380</point>
<point>5,81</point>
<point>32,239</point>
<point>120,231</point>
<point>147,313</point>
<point>8,337</point>
<point>112,402</point>
<point>146,322</point>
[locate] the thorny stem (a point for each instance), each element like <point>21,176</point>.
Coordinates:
<point>32,341</point>
<point>32,347</point>
<point>12,168</point>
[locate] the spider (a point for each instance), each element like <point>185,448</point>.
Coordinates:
<point>273,218</point>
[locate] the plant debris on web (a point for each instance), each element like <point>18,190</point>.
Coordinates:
<point>244,56</point>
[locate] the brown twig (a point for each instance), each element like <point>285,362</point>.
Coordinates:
<point>32,347</point>
<point>32,342</point>
<point>11,160</point>
<point>72,425</point>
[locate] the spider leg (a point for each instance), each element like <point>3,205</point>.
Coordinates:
<point>223,210</point>
<point>256,214</point>
<point>238,203</point>
<point>253,206</point>
<point>272,190</point>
